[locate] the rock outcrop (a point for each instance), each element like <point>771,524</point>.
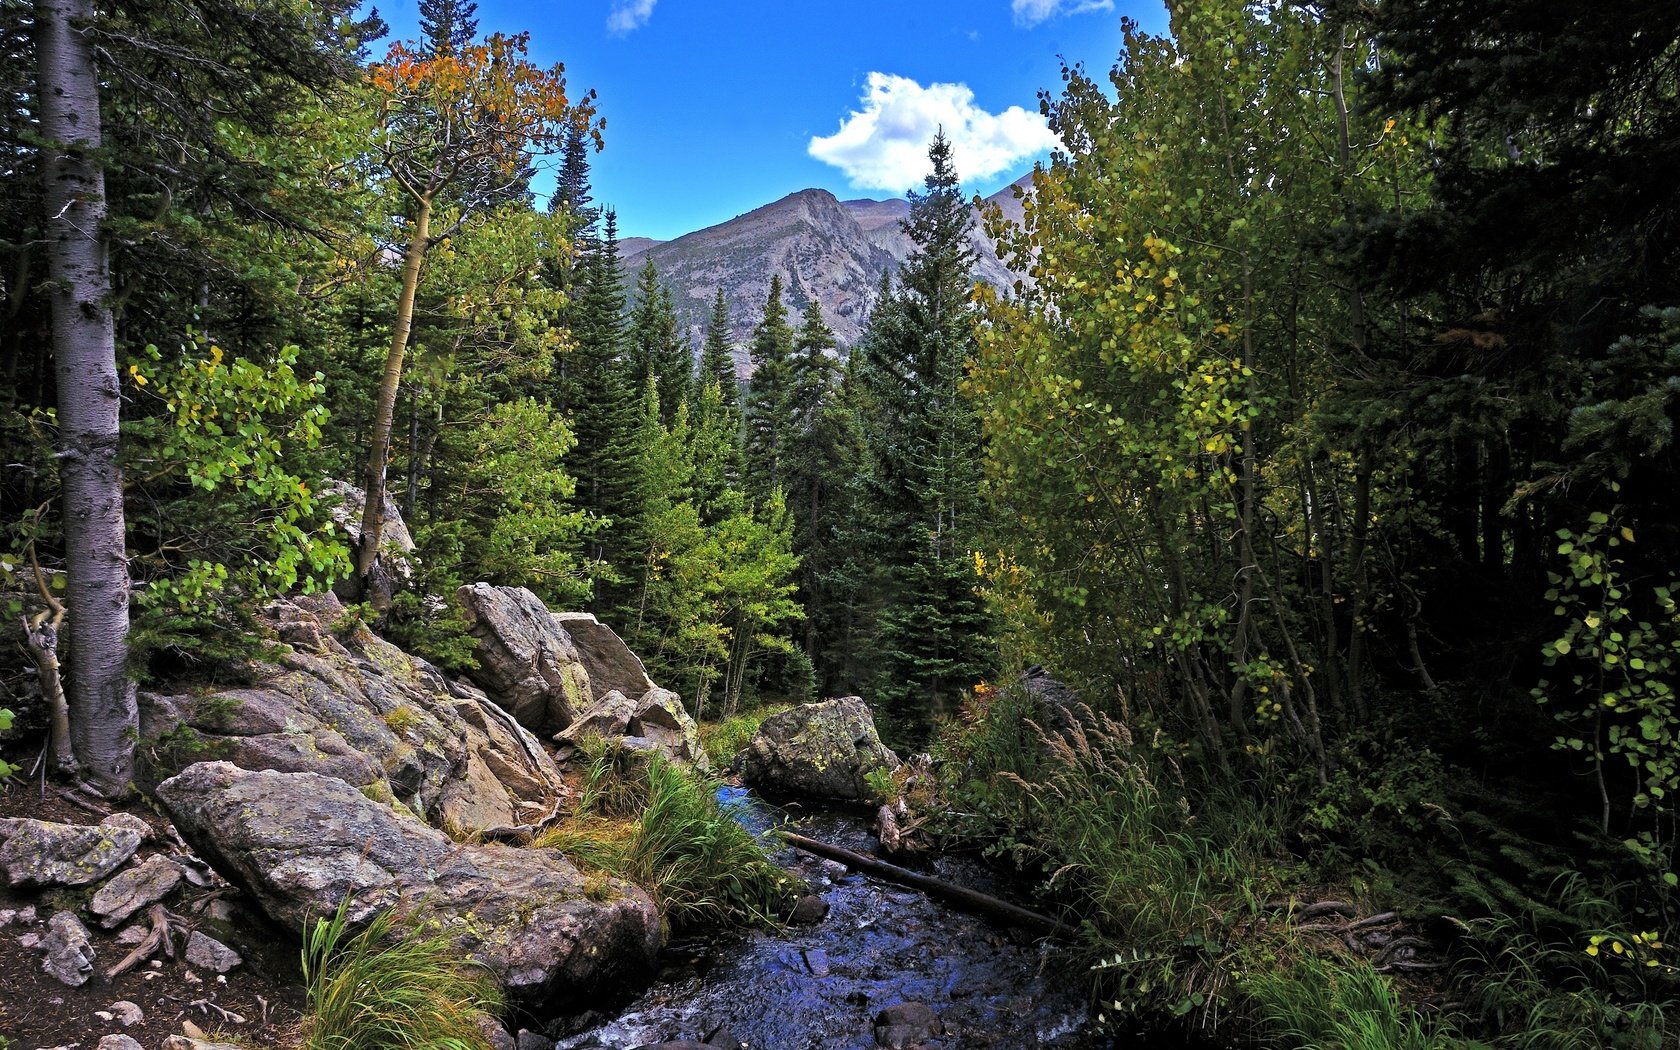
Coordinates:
<point>657,722</point>
<point>301,844</point>
<point>526,660</point>
<point>610,663</point>
<point>347,704</point>
<point>826,749</point>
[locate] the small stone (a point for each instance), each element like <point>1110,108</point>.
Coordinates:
<point>816,960</point>
<point>129,936</point>
<point>906,1025</point>
<point>127,1014</point>
<point>68,950</point>
<point>29,940</point>
<point>495,1035</point>
<point>132,823</point>
<point>211,954</point>
<point>529,1040</point>
<point>118,1042</point>
<point>17,916</point>
<point>134,889</point>
<point>809,910</point>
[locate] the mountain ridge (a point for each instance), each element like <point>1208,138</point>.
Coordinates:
<point>828,250</point>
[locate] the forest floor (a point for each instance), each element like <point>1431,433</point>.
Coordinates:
<point>260,1002</point>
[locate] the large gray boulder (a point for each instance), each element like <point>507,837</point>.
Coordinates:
<point>301,844</point>
<point>347,704</point>
<point>526,660</point>
<point>610,663</point>
<point>826,749</point>
<point>46,853</point>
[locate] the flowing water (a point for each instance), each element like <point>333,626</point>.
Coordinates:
<point>821,987</point>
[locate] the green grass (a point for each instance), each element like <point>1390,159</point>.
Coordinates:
<point>384,988</point>
<point>659,825</point>
<point>723,740</point>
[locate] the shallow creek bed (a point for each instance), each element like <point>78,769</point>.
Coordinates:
<point>827,985</point>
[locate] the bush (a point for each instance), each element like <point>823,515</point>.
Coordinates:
<point>377,989</point>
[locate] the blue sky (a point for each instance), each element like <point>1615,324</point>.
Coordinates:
<point>715,107</point>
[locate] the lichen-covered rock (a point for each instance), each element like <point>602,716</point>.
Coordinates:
<point>526,661</point>
<point>134,889</point>
<point>826,749</point>
<point>660,716</point>
<point>301,844</point>
<point>608,716</point>
<point>46,853</point>
<point>67,950</point>
<point>610,663</point>
<point>347,704</point>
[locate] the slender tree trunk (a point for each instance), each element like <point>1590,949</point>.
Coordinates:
<point>385,408</point>
<point>104,719</point>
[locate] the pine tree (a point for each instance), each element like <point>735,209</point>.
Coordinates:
<point>591,390</point>
<point>717,358</point>
<point>769,397</point>
<point>657,346</point>
<point>821,447</point>
<point>447,26</point>
<point>922,479</point>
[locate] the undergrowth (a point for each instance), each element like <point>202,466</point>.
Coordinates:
<point>1166,895</point>
<point>659,825</point>
<point>385,988</point>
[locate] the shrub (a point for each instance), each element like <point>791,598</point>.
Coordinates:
<point>378,989</point>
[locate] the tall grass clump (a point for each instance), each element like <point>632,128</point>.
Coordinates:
<point>658,824</point>
<point>382,989</point>
<point>1316,1003</point>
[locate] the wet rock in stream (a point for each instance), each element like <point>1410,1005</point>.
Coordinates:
<point>886,963</point>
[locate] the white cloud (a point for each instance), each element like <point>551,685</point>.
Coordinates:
<point>883,146</point>
<point>630,14</point>
<point>1029,13</point>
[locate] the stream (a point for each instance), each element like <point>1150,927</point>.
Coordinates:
<point>821,987</point>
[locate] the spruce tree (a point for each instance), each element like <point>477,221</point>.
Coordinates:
<point>447,25</point>
<point>717,358</point>
<point>921,485</point>
<point>769,397</point>
<point>657,346</point>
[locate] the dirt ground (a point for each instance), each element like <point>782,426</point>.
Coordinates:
<point>258,1004</point>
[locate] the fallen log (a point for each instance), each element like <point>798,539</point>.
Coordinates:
<point>961,896</point>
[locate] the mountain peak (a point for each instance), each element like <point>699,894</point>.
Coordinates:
<point>826,250</point>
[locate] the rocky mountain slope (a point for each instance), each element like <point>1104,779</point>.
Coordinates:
<point>828,250</point>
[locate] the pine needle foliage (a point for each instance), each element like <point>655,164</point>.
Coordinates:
<point>384,988</point>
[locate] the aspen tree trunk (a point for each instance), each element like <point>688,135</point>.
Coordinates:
<point>104,719</point>
<point>385,408</point>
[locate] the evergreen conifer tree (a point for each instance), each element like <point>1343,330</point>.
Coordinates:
<point>769,397</point>
<point>447,25</point>
<point>922,482</point>
<point>717,361</point>
<point>657,346</point>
